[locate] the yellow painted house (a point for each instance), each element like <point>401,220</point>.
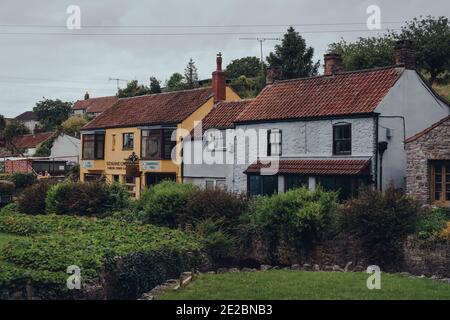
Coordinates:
<point>141,133</point>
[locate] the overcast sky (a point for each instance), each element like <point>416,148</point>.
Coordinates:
<point>66,66</point>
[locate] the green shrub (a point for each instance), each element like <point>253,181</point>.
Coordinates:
<point>217,204</point>
<point>20,180</point>
<point>431,224</point>
<point>162,203</point>
<point>381,222</point>
<point>32,199</point>
<point>217,243</point>
<point>94,198</point>
<point>6,188</point>
<point>299,216</point>
<point>128,258</point>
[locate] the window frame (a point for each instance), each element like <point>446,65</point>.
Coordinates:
<point>261,188</point>
<point>269,143</point>
<point>335,139</point>
<point>96,137</point>
<point>124,147</point>
<point>444,182</point>
<point>161,133</point>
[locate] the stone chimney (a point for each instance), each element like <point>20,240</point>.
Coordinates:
<point>333,64</point>
<point>86,96</point>
<point>219,81</point>
<point>405,54</point>
<point>273,74</point>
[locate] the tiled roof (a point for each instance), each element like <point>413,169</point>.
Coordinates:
<point>346,93</point>
<point>30,140</point>
<point>317,167</point>
<point>27,116</point>
<point>161,108</point>
<point>95,105</point>
<point>224,114</point>
<point>427,130</point>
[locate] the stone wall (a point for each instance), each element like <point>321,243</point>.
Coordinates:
<point>433,145</point>
<point>429,258</point>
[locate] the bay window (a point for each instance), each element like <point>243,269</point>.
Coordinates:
<point>157,144</point>
<point>93,146</point>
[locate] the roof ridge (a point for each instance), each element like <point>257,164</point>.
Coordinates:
<point>398,66</point>
<point>165,93</point>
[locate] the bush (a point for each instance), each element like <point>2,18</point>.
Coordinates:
<point>127,258</point>
<point>218,244</point>
<point>299,216</point>
<point>381,222</point>
<point>162,203</point>
<point>32,199</point>
<point>213,204</point>
<point>6,188</point>
<point>431,224</point>
<point>94,198</point>
<point>20,180</point>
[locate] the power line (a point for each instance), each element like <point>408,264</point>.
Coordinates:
<point>195,26</point>
<point>186,33</point>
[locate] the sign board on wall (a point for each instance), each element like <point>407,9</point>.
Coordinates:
<point>87,164</point>
<point>150,165</point>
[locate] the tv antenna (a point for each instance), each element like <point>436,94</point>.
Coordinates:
<point>261,40</point>
<point>117,80</point>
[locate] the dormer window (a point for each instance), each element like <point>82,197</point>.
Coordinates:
<point>342,139</point>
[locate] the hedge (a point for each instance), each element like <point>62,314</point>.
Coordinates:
<point>128,258</point>
<point>20,180</point>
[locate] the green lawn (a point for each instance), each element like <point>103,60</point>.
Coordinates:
<point>286,285</point>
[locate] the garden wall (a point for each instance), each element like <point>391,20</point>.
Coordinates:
<point>421,257</point>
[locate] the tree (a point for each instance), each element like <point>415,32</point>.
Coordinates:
<point>15,128</point>
<point>293,56</point>
<point>432,39</point>
<point>365,53</point>
<point>191,75</point>
<point>249,67</point>
<point>73,125</point>
<point>155,85</point>
<point>51,113</point>
<point>2,122</point>
<point>133,89</point>
<point>175,82</point>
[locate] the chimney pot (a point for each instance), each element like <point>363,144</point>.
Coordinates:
<point>405,54</point>
<point>219,80</point>
<point>273,73</point>
<point>333,64</point>
<point>86,96</point>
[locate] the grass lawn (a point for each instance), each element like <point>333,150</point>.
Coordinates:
<point>296,285</point>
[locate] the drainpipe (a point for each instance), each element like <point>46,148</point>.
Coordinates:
<point>376,151</point>
<point>382,146</point>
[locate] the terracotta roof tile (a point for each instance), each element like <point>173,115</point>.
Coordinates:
<point>27,116</point>
<point>427,130</point>
<point>342,94</point>
<point>95,105</point>
<point>161,108</point>
<point>224,114</point>
<point>31,140</point>
<point>317,167</point>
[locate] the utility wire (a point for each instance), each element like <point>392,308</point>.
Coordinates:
<point>196,26</point>
<point>184,34</point>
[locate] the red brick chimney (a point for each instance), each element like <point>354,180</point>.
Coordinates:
<point>333,64</point>
<point>219,81</point>
<point>405,54</point>
<point>273,74</point>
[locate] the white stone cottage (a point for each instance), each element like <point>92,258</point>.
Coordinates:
<point>340,130</point>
